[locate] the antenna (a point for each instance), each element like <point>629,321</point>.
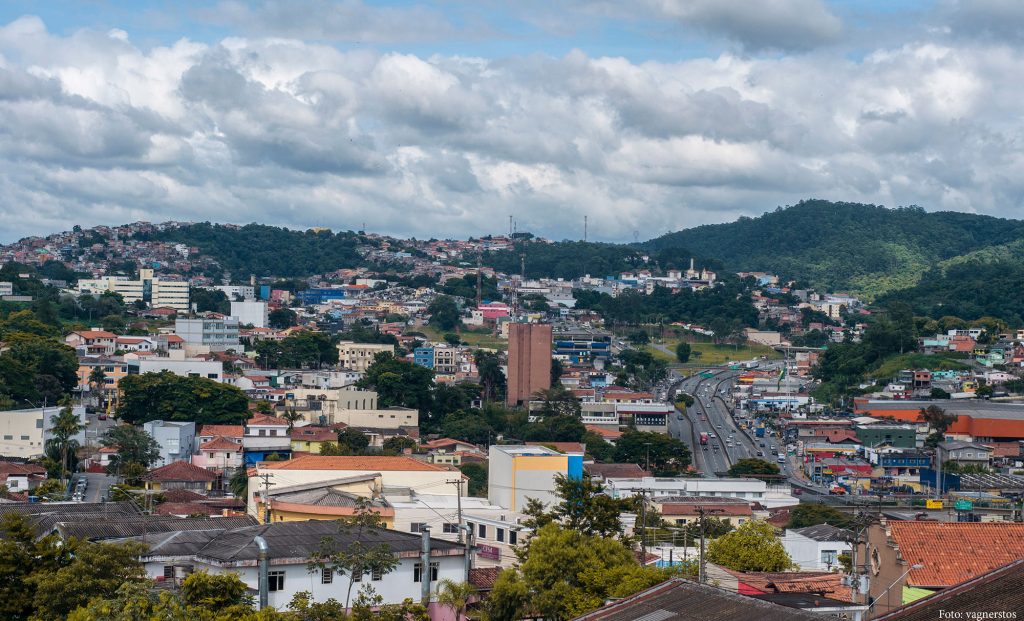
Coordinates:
<point>636,236</point>
<point>584,228</point>
<point>522,266</point>
<point>510,227</point>
<point>479,278</point>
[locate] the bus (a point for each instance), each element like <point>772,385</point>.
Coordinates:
<point>703,438</point>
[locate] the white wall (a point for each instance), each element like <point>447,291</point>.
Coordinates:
<point>806,552</point>
<point>254,313</point>
<point>202,368</point>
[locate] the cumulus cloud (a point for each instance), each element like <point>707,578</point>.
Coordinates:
<point>96,129</point>
<point>760,24</point>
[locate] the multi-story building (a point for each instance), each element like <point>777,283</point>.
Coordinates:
<point>113,370</point>
<point>215,334</point>
<point>176,439</point>
<point>23,433</point>
<point>155,292</point>
<point>424,357</point>
<point>517,473</point>
<point>446,360</point>
<point>265,436</point>
<point>359,356</point>
<point>817,548</point>
<point>6,288</point>
<point>234,292</point>
<point>320,295</point>
<point>583,346</point>
<point>529,361</point>
<point>251,313</point>
<point>189,367</point>
<point>94,342</point>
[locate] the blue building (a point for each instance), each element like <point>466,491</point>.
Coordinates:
<point>582,346</point>
<point>424,357</point>
<point>320,295</point>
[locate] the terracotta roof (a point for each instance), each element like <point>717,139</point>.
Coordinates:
<point>999,590</point>
<point>228,431</point>
<point>9,468</point>
<point>96,334</point>
<point>179,471</point>
<point>690,508</point>
<point>616,471</point>
<point>181,495</point>
<point>314,434</point>
<point>174,338</point>
<point>186,508</point>
<point>561,447</point>
<point>604,433</point>
<point>351,462</point>
<point>953,552</point>
<point>264,419</point>
<point>444,442</point>
<point>219,443</point>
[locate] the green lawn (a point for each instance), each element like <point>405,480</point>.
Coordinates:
<point>712,354</point>
<point>933,362</point>
<point>474,339</point>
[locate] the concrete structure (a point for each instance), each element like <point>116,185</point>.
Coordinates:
<point>965,454</point>
<point>583,346</point>
<point>206,335</point>
<point>353,407</point>
<point>265,436</point>
<point>210,369</point>
<point>93,342</point>
<point>517,473</point>
<point>6,288</point>
<point>424,357</point>
<point>155,292</point>
<point>817,548</point>
<point>529,361</point>
<point>251,313</point>
<point>359,356</point>
<point>176,439</point>
<point>749,489</point>
<point>23,433</point>
<point>246,292</point>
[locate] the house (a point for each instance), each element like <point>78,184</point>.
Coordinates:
<point>683,510</point>
<point>679,599</point>
<point>219,454</point>
<point>265,436</point>
<point>920,558</point>
<point>175,438</point>
<point>998,591</point>
<point>209,432</point>
<point>174,555</point>
<point>311,438</point>
<point>326,500</point>
<point>179,475</point>
<point>21,477</point>
<point>817,548</point>
<point>94,342</point>
<point>359,356</point>
<point>965,453</point>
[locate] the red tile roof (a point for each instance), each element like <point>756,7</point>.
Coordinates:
<point>8,468</point>
<point>314,434</point>
<point>264,419</point>
<point>953,552</point>
<point>228,431</point>
<point>483,578</point>
<point>608,434</point>
<point>220,443</point>
<point>353,462</point>
<point>616,471</point>
<point>181,495</point>
<point>561,447</point>
<point>186,508</point>
<point>180,471</point>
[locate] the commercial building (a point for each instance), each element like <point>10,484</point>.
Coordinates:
<point>250,313</point>
<point>23,433</point>
<point>517,473</point>
<point>359,356</point>
<point>320,295</point>
<point>155,292</point>
<point>189,367</point>
<point>977,421</point>
<point>208,335</point>
<point>583,346</point>
<point>748,489</point>
<point>529,361</point>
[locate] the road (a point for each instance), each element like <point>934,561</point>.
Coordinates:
<point>712,414</point>
<point>97,485</point>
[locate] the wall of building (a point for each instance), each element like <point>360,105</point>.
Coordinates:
<point>529,361</point>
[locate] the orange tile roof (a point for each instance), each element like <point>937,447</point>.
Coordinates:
<point>228,431</point>
<point>352,462</point>
<point>953,552</point>
<point>179,471</point>
<point>604,433</point>
<point>265,419</point>
<point>220,443</point>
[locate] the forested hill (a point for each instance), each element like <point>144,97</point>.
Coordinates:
<point>573,259</point>
<point>267,250</point>
<point>836,246</point>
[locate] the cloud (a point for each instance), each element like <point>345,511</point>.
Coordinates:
<point>96,129</point>
<point>998,20</point>
<point>761,24</point>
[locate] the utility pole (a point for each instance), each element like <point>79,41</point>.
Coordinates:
<point>701,571</point>
<point>458,499</point>
<point>648,445</point>
<point>479,282</point>
<point>266,496</point>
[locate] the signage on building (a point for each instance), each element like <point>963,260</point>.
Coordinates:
<point>963,505</point>
<point>933,504</point>
<point>487,551</point>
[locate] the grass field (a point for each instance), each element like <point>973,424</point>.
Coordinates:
<point>712,354</point>
<point>474,339</point>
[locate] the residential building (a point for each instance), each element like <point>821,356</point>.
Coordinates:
<point>20,477</point>
<point>179,475</point>
<point>402,472</point>
<point>155,292</point>
<point>220,454</point>
<point>311,438</point>
<point>517,473</point>
<point>23,433</point>
<point>188,367</point>
<point>997,591</point>
<point>208,335</point>
<point>683,510</point>
<point>359,356</point>
<point>529,361</point>
<point>236,292</point>
<point>265,436</point>
<point>250,313</point>
<point>113,370</point>
<point>817,548</point>
<point>176,439</point>
<point>290,544</point>
<point>94,342</point>
<point>333,499</point>
<point>348,406</point>
<point>964,453</point>
<point>6,288</point>
<point>424,357</point>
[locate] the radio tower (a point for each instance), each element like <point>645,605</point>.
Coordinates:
<point>584,228</point>
<point>479,282</point>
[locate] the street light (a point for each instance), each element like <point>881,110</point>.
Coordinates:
<point>887,589</point>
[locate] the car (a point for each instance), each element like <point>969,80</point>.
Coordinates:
<point>782,459</point>
<point>775,448</point>
<point>718,426</point>
<point>760,453</point>
<point>761,444</point>
<point>714,446</point>
<point>704,448</point>
<point>711,435</point>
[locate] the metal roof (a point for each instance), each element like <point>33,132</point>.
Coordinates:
<point>137,527</point>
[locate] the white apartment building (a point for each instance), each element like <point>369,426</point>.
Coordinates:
<point>6,288</point>
<point>188,367</point>
<point>246,292</point>
<point>251,313</point>
<point>748,489</point>
<point>23,433</point>
<point>359,356</point>
<point>817,548</point>
<point>207,335</point>
<point>155,292</point>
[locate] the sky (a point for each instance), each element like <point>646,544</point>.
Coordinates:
<point>443,119</point>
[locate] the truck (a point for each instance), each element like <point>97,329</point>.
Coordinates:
<point>759,432</point>
<point>703,438</point>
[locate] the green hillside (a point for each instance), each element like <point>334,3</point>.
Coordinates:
<point>864,248</point>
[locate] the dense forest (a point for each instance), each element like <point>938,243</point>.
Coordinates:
<point>837,246</point>
<point>573,259</point>
<point>267,250</point>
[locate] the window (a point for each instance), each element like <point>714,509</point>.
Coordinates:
<point>512,537</point>
<point>211,375</point>
<point>357,577</point>
<point>8,437</point>
<point>24,437</point>
<point>483,531</point>
<point>326,576</point>
<point>275,581</point>
<point>501,534</point>
<point>417,572</point>
<point>829,557</point>
<point>169,572</point>
<point>416,527</point>
<point>376,575</point>
<point>39,423</point>
<point>263,432</point>
<point>450,528</point>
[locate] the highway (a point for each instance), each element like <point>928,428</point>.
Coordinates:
<point>711,414</point>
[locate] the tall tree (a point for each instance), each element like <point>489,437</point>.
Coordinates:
<point>136,449</point>
<point>444,313</point>
<point>455,596</point>
<point>753,546</point>
<point>64,426</point>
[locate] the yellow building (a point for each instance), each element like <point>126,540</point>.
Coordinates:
<point>113,370</point>
<point>179,475</point>
<point>326,500</point>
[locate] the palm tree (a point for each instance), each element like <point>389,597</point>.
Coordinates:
<point>455,595</point>
<point>65,426</point>
<point>239,483</point>
<point>97,379</point>
<point>292,417</point>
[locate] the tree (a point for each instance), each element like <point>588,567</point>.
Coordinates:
<point>477,474</point>
<point>397,445</point>
<point>683,350</point>
<point>217,593</point>
<point>399,383</point>
<point>360,555</point>
<point>492,379</point>
<point>811,514</point>
<point>557,401</point>
<point>938,393</point>
<point>281,318</point>
<point>668,455</point>
<point>290,415</point>
<point>97,379</point>
<point>557,369</point>
<point>468,426</point>
<point>566,573</point>
<point>239,483</point>
<point>455,596</point>
<point>752,466</point>
<point>444,313</point>
<point>753,546</point>
<point>352,441</point>
<point>938,421</point>
<point>136,449</point>
<point>598,447</point>
<point>166,396</point>
<point>64,427</point>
